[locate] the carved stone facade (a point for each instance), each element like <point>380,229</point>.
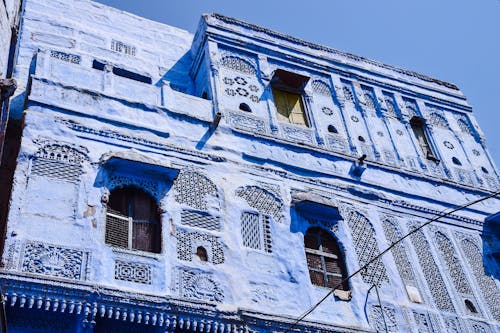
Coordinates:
<point>158,187</point>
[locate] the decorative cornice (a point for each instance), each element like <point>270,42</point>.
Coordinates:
<point>91,303</point>
<point>317,47</point>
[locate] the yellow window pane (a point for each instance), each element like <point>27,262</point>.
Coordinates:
<point>280,101</point>
<point>297,114</point>
<point>289,107</point>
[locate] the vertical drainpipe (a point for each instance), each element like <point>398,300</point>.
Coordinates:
<point>212,55</point>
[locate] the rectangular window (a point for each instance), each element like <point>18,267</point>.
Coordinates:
<point>289,107</point>
<point>256,231</point>
<point>287,90</point>
<point>417,125</point>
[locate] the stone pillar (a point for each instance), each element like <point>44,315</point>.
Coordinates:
<point>266,76</point>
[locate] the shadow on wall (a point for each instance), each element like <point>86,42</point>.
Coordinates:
<point>178,75</point>
<point>491,245</point>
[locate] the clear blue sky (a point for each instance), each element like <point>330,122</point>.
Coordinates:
<point>452,40</point>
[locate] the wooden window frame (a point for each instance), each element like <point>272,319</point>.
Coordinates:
<point>289,88</point>
<point>131,225</point>
<point>322,254</point>
<point>419,130</point>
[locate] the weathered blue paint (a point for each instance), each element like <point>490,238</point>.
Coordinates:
<point>111,99</point>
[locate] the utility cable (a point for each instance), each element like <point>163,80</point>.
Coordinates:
<point>443,214</point>
<point>381,308</point>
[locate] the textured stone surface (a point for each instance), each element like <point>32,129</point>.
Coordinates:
<point>119,101</point>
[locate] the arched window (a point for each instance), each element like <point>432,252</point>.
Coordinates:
<point>133,220</point>
<point>201,253</point>
<point>324,259</point>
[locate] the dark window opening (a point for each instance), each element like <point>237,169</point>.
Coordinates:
<point>324,259</point>
<point>133,220</point>
<point>245,107</point>
<point>470,306</point>
<point>98,65</point>
<point>123,72</point>
<point>456,161</point>
<point>332,129</point>
<point>483,169</point>
<point>201,253</point>
<point>418,126</point>
<point>360,138</point>
<point>287,90</point>
<point>131,75</point>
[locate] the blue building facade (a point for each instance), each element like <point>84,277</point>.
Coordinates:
<point>224,182</point>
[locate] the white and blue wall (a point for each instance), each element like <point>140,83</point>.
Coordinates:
<point>109,99</point>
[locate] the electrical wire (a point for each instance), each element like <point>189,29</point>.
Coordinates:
<point>443,214</point>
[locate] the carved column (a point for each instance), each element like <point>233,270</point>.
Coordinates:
<point>266,73</point>
<point>340,102</point>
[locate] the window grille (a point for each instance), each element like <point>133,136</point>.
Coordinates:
<point>256,231</point>
<point>132,221</point>
<point>59,162</point>
<point>324,259</point>
<point>123,48</point>
<point>200,220</point>
<point>118,228</point>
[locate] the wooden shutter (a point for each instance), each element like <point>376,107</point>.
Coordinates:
<point>117,229</point>
<point>297,114</point>
<point>280,101</point>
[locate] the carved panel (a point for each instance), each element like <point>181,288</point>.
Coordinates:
<point>188,242</point>
<point>148,185</point>
<point>123,48</point>
<point>321,88</point>
<point>478,327</point>
<point>294,133</point>
<point>487,285</point>
<point>423,323</point>
<point>388,320</point>
<point>399,252</point>
<point>390,104</point>
<point>454,267</point>
<point>435,119</point>
<point>238,63</point>
<point>411,107</point>
<point>195,190</point>
<point>464,125</point>
<point>200,220</point>
<point>247,122</point>
<point>256,231</point>
<point>263,294</point>
<point>431,272</point>
<point>366,248</point>
<point>132,272</point>
<point>198,285</point>
<point>368,97</point>
<point>347,93</point>
<point>58,161</point>
<point>246,88</point>
<point>337,143</point>
<point>67,57</point>
<point>263,201</point>
<point>58,170</point>
<point>53,260</point>
<point>452,325</point>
